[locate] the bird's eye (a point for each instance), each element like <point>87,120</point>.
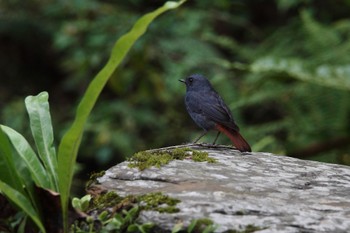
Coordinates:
<point>190,80</point>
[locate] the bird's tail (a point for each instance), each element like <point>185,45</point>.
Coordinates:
<point>238,141</point>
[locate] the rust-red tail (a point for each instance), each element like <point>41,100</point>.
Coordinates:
<point>238,141</point>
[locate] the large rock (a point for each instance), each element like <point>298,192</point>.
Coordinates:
<point>275,193</point>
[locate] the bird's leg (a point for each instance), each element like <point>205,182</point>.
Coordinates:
<point>205,132</point>
<point>217,136</point>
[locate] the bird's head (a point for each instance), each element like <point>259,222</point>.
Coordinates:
<point>196,82</point>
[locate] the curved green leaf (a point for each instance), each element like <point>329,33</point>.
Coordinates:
<point>69,145</point>
<point>22,202</point>
<point>13,170</point>
<point>28,156</point>
<point>41,127</point>
<point>8,168</point>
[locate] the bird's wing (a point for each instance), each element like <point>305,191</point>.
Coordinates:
<point>213,107</point>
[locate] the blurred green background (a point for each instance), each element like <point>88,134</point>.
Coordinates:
<point>282,66</point>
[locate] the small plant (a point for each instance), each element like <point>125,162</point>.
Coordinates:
<point>83,203</point>
<point>25,173</point>
<point>118,214</point>
<point>120,222</point>
<point>202,225</point>
<point>110,212</point>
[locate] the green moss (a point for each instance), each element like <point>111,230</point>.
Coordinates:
<point>150,201</point>
<point>200,156</point>
<point>157,158</point>
<point>182,153</point>
<point>106,200</point>
<point>158,202</point>
<point>93,178</point>
<point>145,159</point>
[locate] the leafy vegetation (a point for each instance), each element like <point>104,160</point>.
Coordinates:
<point>68,148</point>
<point>111,213</point>
<point>120,222</point>
<point>22,170</point>
<point>203,225</point>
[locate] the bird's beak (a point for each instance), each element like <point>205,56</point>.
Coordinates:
<point>181,80</point>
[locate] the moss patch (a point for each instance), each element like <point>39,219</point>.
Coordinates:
<point>93,178</point>
<point>150,201</point>
<point>106,200</point>
<point>145,159</point>
<point>199,156</point>
<point>157,158</point>
<point>158,202</point>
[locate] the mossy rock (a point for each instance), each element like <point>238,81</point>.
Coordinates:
<point>158,158</point>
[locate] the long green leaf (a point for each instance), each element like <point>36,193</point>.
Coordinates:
<point>8,170</point>
<point>23,203</point>
<point>28,156</point>
<point>13,170</point>
<point>41,127</point>
<point>69,145</point>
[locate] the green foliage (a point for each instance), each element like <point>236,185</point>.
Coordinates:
<point>40,123</point>
<point>22,168</point>
<point>120,222</point>
<point>83,203</point>
<point>22,202</point>
<point>119,214</point>
<point>317,102</point>
<point>204,225</point>
<point>150,201</point>
<point>15,223</point>
<point>68,148</point>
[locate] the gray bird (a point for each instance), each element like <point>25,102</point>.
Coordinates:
<point>208,111</point>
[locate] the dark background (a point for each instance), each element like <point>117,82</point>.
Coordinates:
<point>282,66</point>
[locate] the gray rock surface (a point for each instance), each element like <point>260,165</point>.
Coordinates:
<point>276,193</point>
